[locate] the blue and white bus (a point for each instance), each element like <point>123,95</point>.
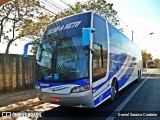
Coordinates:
<point>83,60</point>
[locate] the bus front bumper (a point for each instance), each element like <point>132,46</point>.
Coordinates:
<point>81,99</point>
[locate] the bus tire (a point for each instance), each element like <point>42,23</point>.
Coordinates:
<point>114,90</point>
<point>139,76</point>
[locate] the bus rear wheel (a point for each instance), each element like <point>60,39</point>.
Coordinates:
<point>139,76</point>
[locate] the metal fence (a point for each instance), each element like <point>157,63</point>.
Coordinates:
<point>16,73</point>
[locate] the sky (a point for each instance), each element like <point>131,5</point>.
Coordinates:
<point>140,16</point>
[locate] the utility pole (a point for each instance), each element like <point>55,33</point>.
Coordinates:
<point>132,35</point>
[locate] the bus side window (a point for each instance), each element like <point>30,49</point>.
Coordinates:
<point>113,36</point>
<point>97,56</point>
<point>98,70</point>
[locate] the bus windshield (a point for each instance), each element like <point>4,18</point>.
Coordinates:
<point>65,57</point>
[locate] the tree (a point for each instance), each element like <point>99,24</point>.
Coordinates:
<point>27,20</point>
<point>146,57</point>
<point>35,30</point>
<point>11,16</point>
<point>157,62</point>
<point>100,6</point>
<point>103,8</point>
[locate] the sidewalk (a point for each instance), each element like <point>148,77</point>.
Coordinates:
<point>146,70</point>
<point>16,97</point>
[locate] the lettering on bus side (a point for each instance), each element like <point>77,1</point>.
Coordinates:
<point>42,84</point>
<point>64,27</point>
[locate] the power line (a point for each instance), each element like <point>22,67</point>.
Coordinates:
<point>53,5</point>
<point>58,5</point>
<point>66,4</point>
<point>49,5</point>
<point>122,21</point>
<point>42,7</point>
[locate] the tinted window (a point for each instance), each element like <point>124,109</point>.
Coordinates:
<point>99,71</point>
<point>124,42</point>
<point>97,56</point>
<point>113,36</point>
<point>100,48</point>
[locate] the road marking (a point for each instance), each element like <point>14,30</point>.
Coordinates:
<point>121,106</point>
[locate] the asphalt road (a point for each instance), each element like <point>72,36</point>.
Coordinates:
<point>137,101</point>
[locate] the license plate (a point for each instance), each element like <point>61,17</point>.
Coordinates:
<point>55,99</point>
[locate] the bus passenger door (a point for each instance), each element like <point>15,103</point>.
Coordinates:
<point>98,70</point>
<point>99,73</point>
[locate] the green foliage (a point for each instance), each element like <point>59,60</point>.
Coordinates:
<point>100,6</point>
<point>34,30</point>
<point>103,8</point>
<point>146,56</point>
<point>157,62</point>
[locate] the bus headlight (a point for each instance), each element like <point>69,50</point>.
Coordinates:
<point>80,89</point>
<point>37,87</point>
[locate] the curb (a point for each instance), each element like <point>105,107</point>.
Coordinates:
<point>21,105</point>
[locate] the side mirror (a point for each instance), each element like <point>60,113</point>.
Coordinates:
<point>86,36</point>
<point>25,53</point>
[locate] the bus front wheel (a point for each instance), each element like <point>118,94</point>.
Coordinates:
<point>114,91</point>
